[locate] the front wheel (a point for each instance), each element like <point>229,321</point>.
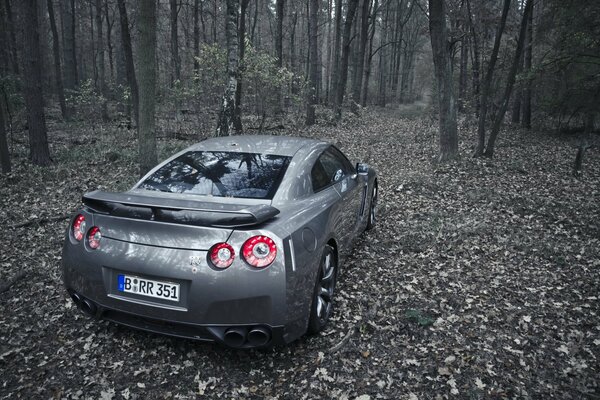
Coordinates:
<point>322,302</point>
<point>373,207</point>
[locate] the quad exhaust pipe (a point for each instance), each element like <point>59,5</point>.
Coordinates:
<point>241,336</point>
<point>86,305</point>
<point>259,336</point>
<point>235,337</point>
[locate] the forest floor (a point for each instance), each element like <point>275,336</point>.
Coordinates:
<point>481,279</point>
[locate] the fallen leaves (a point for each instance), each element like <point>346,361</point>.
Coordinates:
<point>479,281</point>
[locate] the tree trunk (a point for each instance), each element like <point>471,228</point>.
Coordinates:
<point>462,80</point>
<point>474,61</point>
<point>4,154</point>
<point>175,63</point>
<point>487,83</point>
<point>68,36</point>
<point>32,79</point>
<point>279,10</point>
<point>196,36</point>
<point>489,150</point>
<point>364,37</point>
<point>225,125</point>
<point>313,65</point>
<point>129,66</point>
<point>335,74</point>
<point>12,37</point>
<point>528,58</point>
<point>56,52</point>
<point>147,76</point>
<point>343,69</point>
<point>365,88</point>
<point>4,43</point>
<point>516,107</point>
<point>237,118</point>
<point>109,44</point>
<point>443,74</point>
<point>100,60</point>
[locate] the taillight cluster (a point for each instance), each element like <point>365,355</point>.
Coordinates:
<point>258,251</point>
<point>78,230</point>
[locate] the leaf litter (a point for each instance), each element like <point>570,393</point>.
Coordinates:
<point>480,280</point>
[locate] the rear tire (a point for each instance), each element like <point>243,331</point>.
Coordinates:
<point>372,218</point>
<point>322,302</point>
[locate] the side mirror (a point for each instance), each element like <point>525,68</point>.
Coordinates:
<point>362,169</point>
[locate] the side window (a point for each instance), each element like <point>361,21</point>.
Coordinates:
<point>330,167</point>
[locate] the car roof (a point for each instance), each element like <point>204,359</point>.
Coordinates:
<point>264,144</point>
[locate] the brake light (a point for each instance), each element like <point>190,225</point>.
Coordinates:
<point>94,237</point>
<point>221,255</point>
<point>259,251</point>
<point>79,227</point>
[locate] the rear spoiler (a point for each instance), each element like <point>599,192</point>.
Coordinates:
<point>181,211</point>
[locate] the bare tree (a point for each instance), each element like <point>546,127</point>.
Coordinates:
<point>445,85</point>
<point>343,69</point>
<point>4,154</point>
<point>237,119</point>
<point>128,55</point>
<point>56,53</point>
<point>67,8</point>
<point>489,150</point>
<point>225,125</point>
<point>487,82</point>
<point>100,60</point>
<point>147,77</point>
<point>32,88</point>
<point>526,102</point>
<point>314,62</point>
<point>176,63</point>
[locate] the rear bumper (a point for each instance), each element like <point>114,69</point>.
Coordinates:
<point>211,301</point>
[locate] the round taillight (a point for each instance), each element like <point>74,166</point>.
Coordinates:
<point>94,237</point>
<point>221,255</point>
<point>259,251</point>
<point>79,227</point>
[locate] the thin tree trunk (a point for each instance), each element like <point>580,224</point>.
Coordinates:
<point>109,44</point>
<point>4,154</point>
<point>196,36</point>
<point>528,86</point>
<point>487,83</point>
<point>69,54</point>
<point>335,74</point>
<point>237,118</point>
<point>312,48</point>
<point>4,43</point>
<point>364,37</point>
<point>56,51</point>
<point>101,70</point>
<point>475,61</point>
<point>129,65</point>
<point>365,88</point>
<point>147,76</point>
<point>12,37</point>
<point>93,47</point>
<point>443,73</point>
<point>32,77</point>
<point>462,81</point>
<point>489,150</point>
<point>280,12</point>
<point>225,126</point>
<point>343,69</point>
<point>516,107</point>
<point>175,64</point>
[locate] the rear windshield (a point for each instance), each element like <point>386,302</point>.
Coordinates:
<point>224,174</point>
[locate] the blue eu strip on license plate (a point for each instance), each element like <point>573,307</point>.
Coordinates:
<point>148,287</point>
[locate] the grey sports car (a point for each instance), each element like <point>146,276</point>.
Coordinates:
<point>236,240</point>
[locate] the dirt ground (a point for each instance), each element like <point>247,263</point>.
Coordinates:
<point>481,279</point>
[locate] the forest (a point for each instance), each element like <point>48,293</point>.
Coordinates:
<point>481,117</point>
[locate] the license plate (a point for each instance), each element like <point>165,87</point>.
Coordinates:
<point>148,287</point>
